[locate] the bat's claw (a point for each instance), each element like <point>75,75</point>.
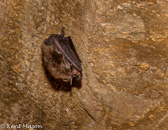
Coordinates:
<point>71,81</point>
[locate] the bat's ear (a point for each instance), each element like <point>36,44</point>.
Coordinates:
<point>63,32</point>
<point>49,40</point>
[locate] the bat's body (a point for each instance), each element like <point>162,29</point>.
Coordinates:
<point>61,58</point>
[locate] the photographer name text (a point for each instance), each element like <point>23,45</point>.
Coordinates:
<point>28,126</point>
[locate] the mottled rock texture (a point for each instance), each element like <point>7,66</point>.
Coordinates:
<point>123,45</point>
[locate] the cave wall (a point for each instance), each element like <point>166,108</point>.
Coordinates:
<point>123,46</point>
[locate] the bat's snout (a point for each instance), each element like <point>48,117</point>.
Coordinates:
<point>79,77</point>
<point>76,74</point>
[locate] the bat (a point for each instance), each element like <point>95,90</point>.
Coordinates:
<point>61,59</point>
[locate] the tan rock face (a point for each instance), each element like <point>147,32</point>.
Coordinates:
<point>123,45</point>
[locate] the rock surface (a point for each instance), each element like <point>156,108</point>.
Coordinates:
<point>123,45</point>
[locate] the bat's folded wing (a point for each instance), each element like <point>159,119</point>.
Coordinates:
<point>65,45</point>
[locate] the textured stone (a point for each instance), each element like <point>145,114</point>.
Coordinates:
<point>123,45</point>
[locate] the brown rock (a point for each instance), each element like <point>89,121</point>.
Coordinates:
<point>123,45</point>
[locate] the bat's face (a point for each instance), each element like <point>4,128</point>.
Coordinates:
<point>76,74</point>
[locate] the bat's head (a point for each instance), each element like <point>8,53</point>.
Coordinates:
<point>76,74</point>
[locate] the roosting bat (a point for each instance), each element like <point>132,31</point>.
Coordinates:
<point>61,58</point>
